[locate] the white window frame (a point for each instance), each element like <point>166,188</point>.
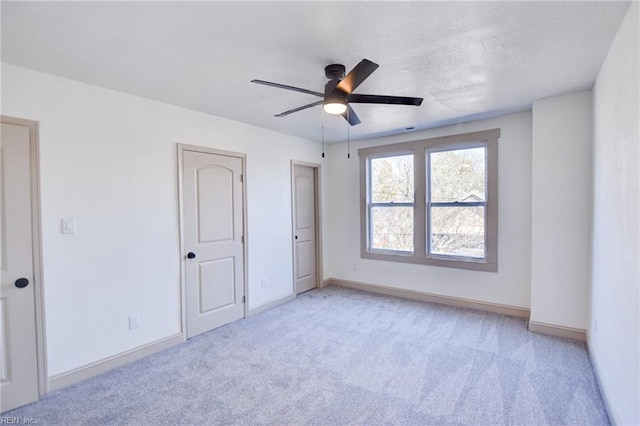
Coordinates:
<point>420,149</point>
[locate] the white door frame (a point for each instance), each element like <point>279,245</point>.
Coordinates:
<point>183,279</point>
<point>317,174</point>
<point>36,237</point>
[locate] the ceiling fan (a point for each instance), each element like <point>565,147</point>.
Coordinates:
<point>338,92</point>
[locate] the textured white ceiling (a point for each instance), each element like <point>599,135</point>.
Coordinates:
<point>466,59</point>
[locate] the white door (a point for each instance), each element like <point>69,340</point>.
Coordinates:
<point>213,240</point>
<point>304,228</point>
<point>19,372</point>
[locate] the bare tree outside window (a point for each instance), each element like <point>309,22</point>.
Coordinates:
<point>457,202</point>
<point>392,200</point>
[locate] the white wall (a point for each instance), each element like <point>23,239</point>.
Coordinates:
<point>110,160</point>
<point>615,340</point>
<point>509,286</point>
<point>561,204</point>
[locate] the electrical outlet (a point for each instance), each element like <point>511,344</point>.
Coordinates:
<point>263,283</point>
<point>134,321</point>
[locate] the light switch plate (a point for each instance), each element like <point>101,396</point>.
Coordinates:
<point>68,225</point>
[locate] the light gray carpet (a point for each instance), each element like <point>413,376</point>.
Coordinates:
<point>338,356</point>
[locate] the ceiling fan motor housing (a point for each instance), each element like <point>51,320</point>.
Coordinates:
<point>335,71</point>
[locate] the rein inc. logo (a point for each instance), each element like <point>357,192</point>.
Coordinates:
<point>15,420</point>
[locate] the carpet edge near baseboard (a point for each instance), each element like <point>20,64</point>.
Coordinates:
<point>613,418</point>
<point>271,304</point>
<point>514,311</point>
<point>68,378</point>
<point>557,331</point>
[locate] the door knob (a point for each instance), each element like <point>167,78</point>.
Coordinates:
<point>296,237</point>
<point>191,255</point>
<point>22,282</point>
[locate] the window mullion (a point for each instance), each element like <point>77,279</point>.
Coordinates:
<point>391,204</point>
<point>419,212</point>
<point>460,204</point>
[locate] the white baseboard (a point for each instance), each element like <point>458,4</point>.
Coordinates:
<point>272,304</point>
<point>557,331</point>
<point>71,377</point>
<point>514,311</point>
<point>60,381</point>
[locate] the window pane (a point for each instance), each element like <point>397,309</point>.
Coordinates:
<point>458,231</point>
<point>392,179</point>
<point>458,175</point>
<point>392,228</point>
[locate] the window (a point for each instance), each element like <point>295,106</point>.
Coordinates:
<point>392,203</point>
<point>432,201</point>
<point>456,202</point>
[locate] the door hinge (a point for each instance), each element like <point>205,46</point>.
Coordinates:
<point>241,178</point>
<point>244,299</point>
<point>242,239</point>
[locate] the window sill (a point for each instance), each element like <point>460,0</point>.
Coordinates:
<point>474,265</point>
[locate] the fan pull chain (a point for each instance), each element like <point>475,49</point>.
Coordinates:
<point>348,136</point>
<point>322,120</point>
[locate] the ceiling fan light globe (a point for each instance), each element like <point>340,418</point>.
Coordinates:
<point>335,107</point>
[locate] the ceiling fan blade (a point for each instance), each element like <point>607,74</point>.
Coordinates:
<point>351,116</point>
<point>291,111</point>
<point>356,76</point>
<point>284,86</point>
<point>377,99</point>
